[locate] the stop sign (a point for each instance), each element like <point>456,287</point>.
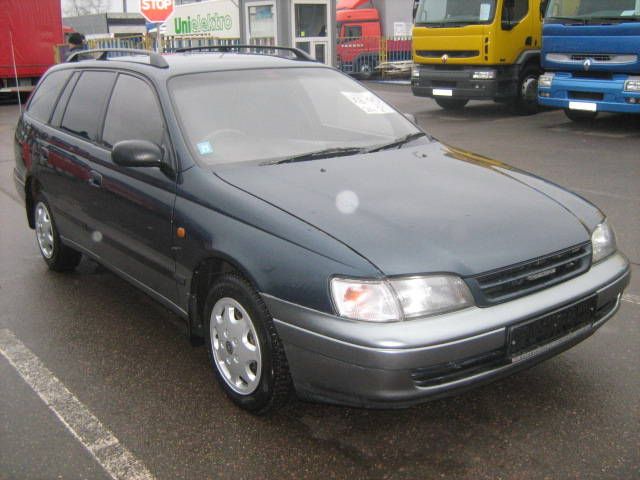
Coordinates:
<point>156,11</point>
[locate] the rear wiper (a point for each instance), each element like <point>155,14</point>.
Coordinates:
<point>398,143</point>
<point>329,152</point>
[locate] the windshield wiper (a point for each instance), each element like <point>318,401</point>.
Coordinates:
<point>399,142</point>
<point>593,20</point>
<point>573,20</point>
<point>329,152</point>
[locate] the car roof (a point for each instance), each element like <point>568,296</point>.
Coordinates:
<point>194,62</point>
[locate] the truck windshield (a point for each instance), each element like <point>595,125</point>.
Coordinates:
<point>591,11</point>
<point>448,13</point>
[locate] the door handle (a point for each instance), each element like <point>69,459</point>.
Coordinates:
<point>95,179</point>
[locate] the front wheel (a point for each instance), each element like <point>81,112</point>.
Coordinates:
<point>366,68</point>
<point>245,350</point>
<point>451,103</point>
<point>526,103</point>
<point>59,257</point>
<point>580,116</point>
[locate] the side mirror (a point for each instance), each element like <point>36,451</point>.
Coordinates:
<point>137,153</point>
<point>543,8</point>
<point>411,117</point>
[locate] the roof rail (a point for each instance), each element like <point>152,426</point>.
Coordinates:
<point>155,59</point>
<point>300,55</point>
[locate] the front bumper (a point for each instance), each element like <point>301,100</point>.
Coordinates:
<point>400,364</point>
<point>606,95</point>
<point>462,85</point>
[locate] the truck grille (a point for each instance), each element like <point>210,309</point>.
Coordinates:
<point>597,58</point>
<point>596,96</point>
<point>449,53</point>
<point>508,283</point>
<point>593,75</point>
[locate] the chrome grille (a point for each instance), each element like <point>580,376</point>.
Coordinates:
<point>508,283</point>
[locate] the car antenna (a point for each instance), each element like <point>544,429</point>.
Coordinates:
<point>15,70</point>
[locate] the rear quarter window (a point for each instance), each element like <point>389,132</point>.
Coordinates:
<point>45,97</point>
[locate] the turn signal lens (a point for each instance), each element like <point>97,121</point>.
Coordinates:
<point>372,301</point>
<point>603,241</point>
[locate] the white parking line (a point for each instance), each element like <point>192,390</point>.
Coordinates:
<point>103,446</point>
<point>627,297</point>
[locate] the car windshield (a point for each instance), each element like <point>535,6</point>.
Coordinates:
<point>275,115</point>
<point>459,12</point>
<point>586,10</point>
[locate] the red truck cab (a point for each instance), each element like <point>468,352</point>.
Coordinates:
<point>362,44</point>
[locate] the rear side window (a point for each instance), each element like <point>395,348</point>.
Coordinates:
<point>133,113</point>
<point>45,97</point>
<point>83,115</point>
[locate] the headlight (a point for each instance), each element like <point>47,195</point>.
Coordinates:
<point>603,242</point>
<point>545,80</point>
<point>415,71</point>
<point>484,75</point>
<point>399,299</point>
<point>632,85</point>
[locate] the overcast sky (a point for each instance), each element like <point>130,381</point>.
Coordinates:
<point>114,5</point>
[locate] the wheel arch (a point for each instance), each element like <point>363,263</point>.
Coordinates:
<point>31,190</point>
<point>529,58</point>
<point>203,275</point>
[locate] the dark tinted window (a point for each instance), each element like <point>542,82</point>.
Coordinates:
<point>517,13</point>
<point>84,111</point>
<point>45,97</point>
<point>133,113</point>
<point>353,31</point>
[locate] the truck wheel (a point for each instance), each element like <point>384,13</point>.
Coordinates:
<point>526,103</point>
<point>59,257</point>
<point>366,68</point>
<point>245,350</point>
<point>580,116</point>
<point>451,103</point>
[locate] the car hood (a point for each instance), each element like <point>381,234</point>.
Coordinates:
<point>416,210</point>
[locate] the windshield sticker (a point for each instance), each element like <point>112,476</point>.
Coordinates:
<point>205,148</point>
<point>628,13</point>
<point>368,103</point>
<point>485,12</point>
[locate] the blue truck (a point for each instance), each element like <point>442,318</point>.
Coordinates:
<point>591,57</point>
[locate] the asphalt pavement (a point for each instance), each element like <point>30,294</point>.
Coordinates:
<point>123,360</point>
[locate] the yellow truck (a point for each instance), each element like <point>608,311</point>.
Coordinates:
<point>478,50</point>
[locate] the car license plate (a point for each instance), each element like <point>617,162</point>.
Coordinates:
<point>584,106</point>
<point>440,92</point>
<point>536,333</point>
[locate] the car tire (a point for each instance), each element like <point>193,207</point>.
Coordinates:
<point>58,256</point>
<point>451,103</point>
<point>526,102</point>
<point>579,116</point>
<point>245,350</point>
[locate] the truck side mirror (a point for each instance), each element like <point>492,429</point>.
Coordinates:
<point>416,3</point>
<point>543,8</point>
